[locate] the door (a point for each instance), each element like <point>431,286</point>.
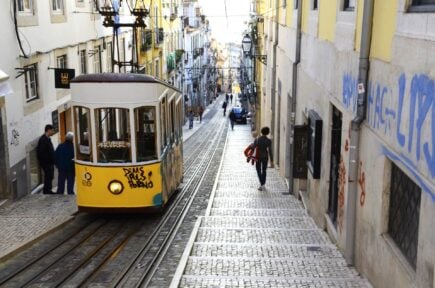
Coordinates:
<point>334,164</point>
<point>65,123</point>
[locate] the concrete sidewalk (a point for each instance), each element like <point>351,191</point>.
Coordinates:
<point>252,238</point>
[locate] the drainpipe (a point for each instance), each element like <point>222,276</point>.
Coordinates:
<point>273,82</point>
<point>363,76</point>
<point>294,92</point>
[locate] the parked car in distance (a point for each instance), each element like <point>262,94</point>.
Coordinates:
<point>241,114</point>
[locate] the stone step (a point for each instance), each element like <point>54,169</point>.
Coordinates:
<point>258,282</point>
<point>265,236</point>
<point>258,222</point>
<point>326,251</point>
<point>258,212</point>
<point>247,203</point>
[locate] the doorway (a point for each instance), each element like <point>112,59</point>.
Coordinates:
<point>65,123</point>
<point>334,163</point>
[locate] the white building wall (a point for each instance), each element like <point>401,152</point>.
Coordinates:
<point>43,43</point>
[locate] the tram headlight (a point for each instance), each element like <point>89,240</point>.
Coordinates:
<point>116,187</point>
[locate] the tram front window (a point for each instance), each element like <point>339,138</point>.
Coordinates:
<point>145,120</point>
<point>83,141</point>
<point>113,138</point>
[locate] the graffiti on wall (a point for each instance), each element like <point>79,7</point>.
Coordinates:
<point>15,137</point>
<point>405,113</point>
<point>362,185</point>
<point>341,196</point>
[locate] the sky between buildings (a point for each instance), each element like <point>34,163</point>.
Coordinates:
<point>227,18</point>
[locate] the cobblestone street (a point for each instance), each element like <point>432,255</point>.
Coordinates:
<point>252,238</point>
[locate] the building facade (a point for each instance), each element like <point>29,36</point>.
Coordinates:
<point>29,99</point>
<point>349,93</point>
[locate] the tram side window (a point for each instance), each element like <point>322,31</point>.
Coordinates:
<point>163,116</point>
<point>82,126</point>
<point>113,138</point>
<point>171,119</point>
<point>145,123</point>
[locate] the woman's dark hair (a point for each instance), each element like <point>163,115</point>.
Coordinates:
<point>265,131</point>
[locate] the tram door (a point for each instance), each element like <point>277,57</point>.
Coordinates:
<point>65,123</point>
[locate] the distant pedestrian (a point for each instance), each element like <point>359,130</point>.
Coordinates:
<point>264,146</point>
<point>231,98</point>
<point>224,106</point>
<point>227,97</point>
<point>65,165</point>
<point>45,155</point>
<point>232,117</point>
<point>191,116</point>
<point>201,111</point>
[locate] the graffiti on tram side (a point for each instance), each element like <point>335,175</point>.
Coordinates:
<point>404,113</point>
<point>137,179</point>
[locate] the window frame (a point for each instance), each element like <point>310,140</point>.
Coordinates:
<point>97,59</point>
<point>117,143</point>
<point>395,224</point>
<point>315,5</point>
<point>416,6</point>
<point>78,139</point>
<point>152,130</point>
<point>83,62</point>
<point>25,10</point>
<point>62,61</point>
<point>57,6</point>
<point>347,7</point>
<point>31,76</point>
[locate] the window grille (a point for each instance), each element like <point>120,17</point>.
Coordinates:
<point>404,214</point>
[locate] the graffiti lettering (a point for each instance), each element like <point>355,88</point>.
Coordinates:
<point>15,139</point>
<point>406,113</point>
<point>137,179</point>
<point>350,92</point>
<point>422,99</point>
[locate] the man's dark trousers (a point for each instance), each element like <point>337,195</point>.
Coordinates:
<point>261,166</point>
<point>66,176</point>
<point>48,178</point>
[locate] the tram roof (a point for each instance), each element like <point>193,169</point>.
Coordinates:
<point>119,78</point>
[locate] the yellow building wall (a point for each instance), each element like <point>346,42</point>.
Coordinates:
<point>327,19</point>
<point>305,14</point>
<point>289,13</point>
<point>359,16</point>
<point>384,26</point>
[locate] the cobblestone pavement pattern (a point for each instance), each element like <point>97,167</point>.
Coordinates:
<point>252,238</point>
<point>32,216</point>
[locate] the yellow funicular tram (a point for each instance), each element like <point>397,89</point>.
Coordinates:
<point>128,141</point>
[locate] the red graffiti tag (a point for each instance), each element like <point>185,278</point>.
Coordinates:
<point>346,145</point>
<point>362,185</point>
<point>341,187</point>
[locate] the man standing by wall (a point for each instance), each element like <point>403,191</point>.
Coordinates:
<point>45,154</point>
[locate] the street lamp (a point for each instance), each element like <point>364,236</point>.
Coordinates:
<point>247,50</point>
